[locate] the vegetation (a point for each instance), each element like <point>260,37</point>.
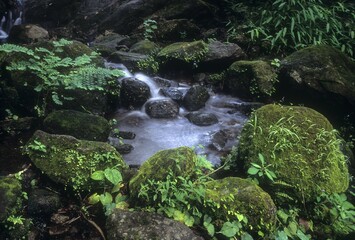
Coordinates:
<point>286,25</point>
<point>55,73</point>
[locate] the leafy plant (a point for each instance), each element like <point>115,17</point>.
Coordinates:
<point>262,169</point>
<point>183,199</point>
<point>112,198</point>
<point>150,26</point>
<point>55,73</point>
<point>37,146</point>
<point>286,25</point>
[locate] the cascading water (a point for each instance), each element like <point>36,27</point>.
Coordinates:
<point>12,17</point>
<point>154,134</point>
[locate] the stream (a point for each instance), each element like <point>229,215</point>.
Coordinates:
<point>153,134</point>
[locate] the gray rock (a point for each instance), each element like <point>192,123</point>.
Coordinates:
<point>129,59</point>
<point>128,225</point>
<point>218,140</point>
<point>202,119</point>
<point>195,98</point>
<point>134,93</point>
<point>173,93</point>
<point>27,33</point>
<point>162,82</point>
<point>107,44</point>
<point>162,108</point>
<point>143,47</point>
<point>218,51</point>
<point>43,203</point>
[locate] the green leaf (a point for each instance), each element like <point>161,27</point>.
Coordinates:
<point>94,198</point>
<point>117,187</point>
<point>229,229</point>
<point>253,170</point>
<point>113,175</point>
<point>98,175</point>
<point>210,228</point>
<point>106,198</point>
<point>246,236</point>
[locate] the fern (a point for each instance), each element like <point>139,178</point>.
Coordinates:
<point>54,72</point>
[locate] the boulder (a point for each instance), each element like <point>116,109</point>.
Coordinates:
<point>173,93</point>
<point>10,197</point>
<point>144,47</point>
<point>129,59</point>
<point>107,44</point>
<point>77,124</point>
<point>69,161</point>
<point>195,98</point>
<point>251,79</point>
<point>43,203</point>
<point>27,33</point>
<point>180,160</point>
<point>321,77</point>
<point>245,197</point>
<point>202,119</point>
<point>134,93</point>
<point>177,29</point>
<point>300,146</point>
<point>162,108</point>
<point>163,82</point>
<point>122,224</point>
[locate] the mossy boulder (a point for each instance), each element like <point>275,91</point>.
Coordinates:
<point>107,44</point>
<point>70,161</point>
<point>321,77</point>
<point>251,79</point>
<point>181,161</point>
<point>188,52</point>
<point>237,195</point>
<point>300,146</point>
<point>77,124</point>
<point>144,47</point>
<point>10,197</point>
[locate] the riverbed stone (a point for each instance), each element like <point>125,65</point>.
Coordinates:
<point>144,47</point>
<point>77,124</point>
<point>135,225</point>
<point>162,108</point>
<point>173,93</point>
<point>107,44</point>
<point>195,98</point>
<point>251,79</point>
<point>181,161</point>
<point>300,146</point>
<point>163,82</point>
<point>69,161</point>
<point>202,119</point>
<point>134,93</point>
<point>129,59</point>
<point>244,197</point>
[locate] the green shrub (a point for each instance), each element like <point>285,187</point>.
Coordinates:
<point>286,25</point>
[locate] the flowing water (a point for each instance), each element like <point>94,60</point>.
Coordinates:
<point>153,135</point>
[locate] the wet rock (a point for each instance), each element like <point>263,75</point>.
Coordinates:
<point>43,203</point>
<point>133,225</point>
<point>10,196</point>
<point>173,93</point>
<point>321,77</point>
<point>107,44</point>
<point>134,93</point>
<point>162,82</point>
<point>162,108</point>
<point>77,124</point>
<point>129,59</point>
<point>202,119</point>
<point>144,47</point>
<point>69,161</point>
<point>124,148</point>
<point>125,135</point>
<point>27,33</point>
<point>251,79</point>
<point>195,98</point>
<point>218,140</point>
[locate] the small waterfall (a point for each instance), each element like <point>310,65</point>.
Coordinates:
<point>14,16</point>
<point>154,89</point>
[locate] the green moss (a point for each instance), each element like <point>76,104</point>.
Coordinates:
<point>77,124</point>
<point>70,161</point>
<point>302,148</point>
<point>10,197</point>
<point>180,160</point>
<point>189,52</point>
<point>252,78</point>
<point>237,195</point>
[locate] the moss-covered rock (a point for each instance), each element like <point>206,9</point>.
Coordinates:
<point>180,160</point>
<point>300,146</point>
<point>188,52</point>
<point>242,196</point>
<point>70,161</point>
<point>77,124</point>
<point>144,47</point>
<point>251,79</point>
<point>10,197</point>
<point>320,70</point>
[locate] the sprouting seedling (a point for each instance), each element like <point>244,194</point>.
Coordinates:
<point>261,169</point>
